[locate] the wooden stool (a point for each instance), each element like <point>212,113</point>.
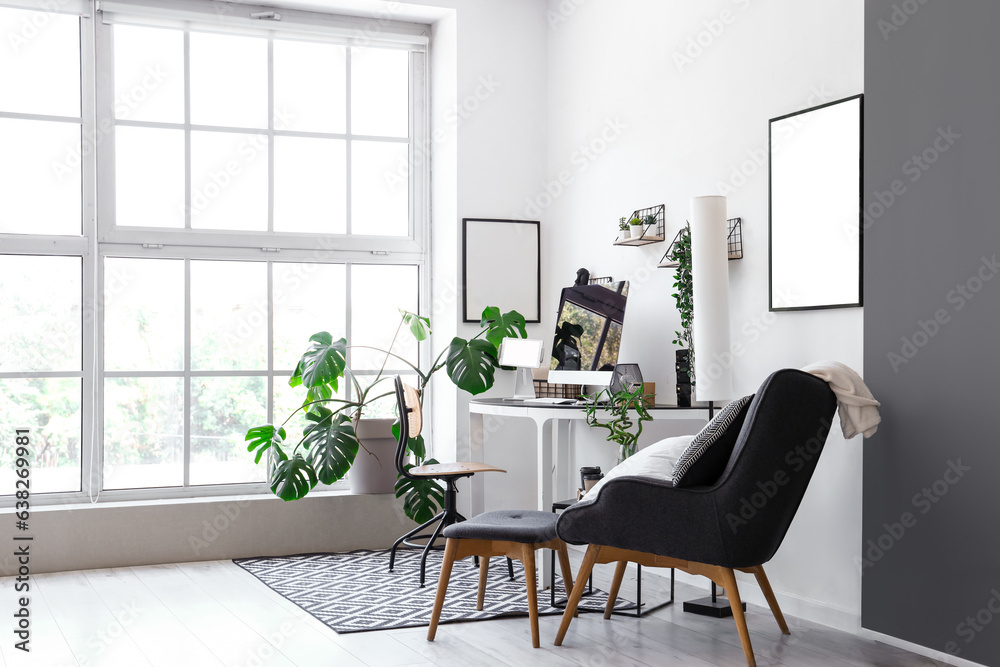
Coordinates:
<point>511,533</point>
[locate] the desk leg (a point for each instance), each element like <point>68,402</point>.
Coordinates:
<point>477,495</point>
<point>544,477</point>
<point>563,474</point>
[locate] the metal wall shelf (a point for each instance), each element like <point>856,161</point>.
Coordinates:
<point>734,243</point>
<point>652,232</point>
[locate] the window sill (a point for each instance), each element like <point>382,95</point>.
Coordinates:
<point>166,502</point>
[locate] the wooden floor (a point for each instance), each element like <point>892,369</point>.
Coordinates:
<point>214,613</point>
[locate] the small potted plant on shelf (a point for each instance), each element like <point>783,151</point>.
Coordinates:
<point>680,252</point>
<point>618,407</point>
<point>334,441</point>
<point>637,227</point>
<point>649,223</point>
<point>623,227</point>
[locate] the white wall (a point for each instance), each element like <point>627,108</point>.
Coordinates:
<point>685,128</point>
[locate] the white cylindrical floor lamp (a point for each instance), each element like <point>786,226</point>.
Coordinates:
<point>713,361</point>
<point>710,274</point>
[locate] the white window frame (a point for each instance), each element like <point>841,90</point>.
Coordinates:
<point>101,238</point>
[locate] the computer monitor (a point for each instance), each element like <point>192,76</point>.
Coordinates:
<point>588,333</point>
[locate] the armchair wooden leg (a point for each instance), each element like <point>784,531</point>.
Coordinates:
<point>567,572</point>
<point>450,549</point>
<point>615,587</point>
<point>484,570</point>
<point>772,602</point>
<point>581,583</point>
<point>528,559</point>
<point>733,593</point>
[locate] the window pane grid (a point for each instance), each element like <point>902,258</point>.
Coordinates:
<point>208,188</point>
<point>200,441</point>
<point>185,406</point>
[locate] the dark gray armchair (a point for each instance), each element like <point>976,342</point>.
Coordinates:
<point>736,523</point>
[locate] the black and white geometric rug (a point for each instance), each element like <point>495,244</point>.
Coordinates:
<point>355,592</point>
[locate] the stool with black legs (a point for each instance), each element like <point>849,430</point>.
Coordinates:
<point>411,423</point>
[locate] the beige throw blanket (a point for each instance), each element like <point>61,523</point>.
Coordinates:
<point>858,408</point>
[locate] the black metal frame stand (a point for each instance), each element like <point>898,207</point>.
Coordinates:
<point>444,518</point>
<point>711,606</point>
<point>639,611</point>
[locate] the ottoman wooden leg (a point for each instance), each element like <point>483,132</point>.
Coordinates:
<point>484,569</point>
<point>450,549</point>
<point>528,559</point>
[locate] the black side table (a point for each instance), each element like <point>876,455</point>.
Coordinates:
<point>639,611</point>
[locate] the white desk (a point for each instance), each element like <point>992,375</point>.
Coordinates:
<point>552,431</point>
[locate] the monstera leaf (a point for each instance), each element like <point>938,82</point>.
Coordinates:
<point>499,326</point>
<point>262,437</point>
<point>424,497</point>
<point>292,478</point>
<point>331,444</point>
<point>420,327</point>
<point>414,445</point>
<point>471,364</point>
<point>315,394</point>
<point>323,363</point>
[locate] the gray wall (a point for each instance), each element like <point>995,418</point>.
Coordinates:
<point>932,324</point>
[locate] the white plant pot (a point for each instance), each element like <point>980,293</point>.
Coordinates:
<point>375,472</point>
<point>637,231</point>
<point>626,233</point>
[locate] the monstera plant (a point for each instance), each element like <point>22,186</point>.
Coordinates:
<point>330,442</point>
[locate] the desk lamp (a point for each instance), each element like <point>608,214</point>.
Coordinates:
<point>524,354</point>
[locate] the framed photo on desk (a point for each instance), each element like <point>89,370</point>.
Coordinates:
<point>502,267</point>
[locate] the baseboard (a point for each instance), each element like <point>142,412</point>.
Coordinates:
<point>793,605</point>
<point>940,656</point>
<point>824,614</point>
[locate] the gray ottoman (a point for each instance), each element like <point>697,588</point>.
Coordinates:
<point>512,533</point>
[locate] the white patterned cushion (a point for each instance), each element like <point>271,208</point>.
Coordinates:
<point>709,451</point>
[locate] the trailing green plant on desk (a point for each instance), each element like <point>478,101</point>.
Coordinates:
<point>330,443</point>
<point>618,407</point>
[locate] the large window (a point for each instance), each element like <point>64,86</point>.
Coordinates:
<point>178,214</point>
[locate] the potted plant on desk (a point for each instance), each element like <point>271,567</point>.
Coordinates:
<point>330,444</point>
<point>618,407</point>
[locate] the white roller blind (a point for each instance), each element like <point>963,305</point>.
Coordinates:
<point>236,18</point>
<point>75,7</point>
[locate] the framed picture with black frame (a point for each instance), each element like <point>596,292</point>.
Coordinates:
<point>815,216</point>
<point>502,267</point>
